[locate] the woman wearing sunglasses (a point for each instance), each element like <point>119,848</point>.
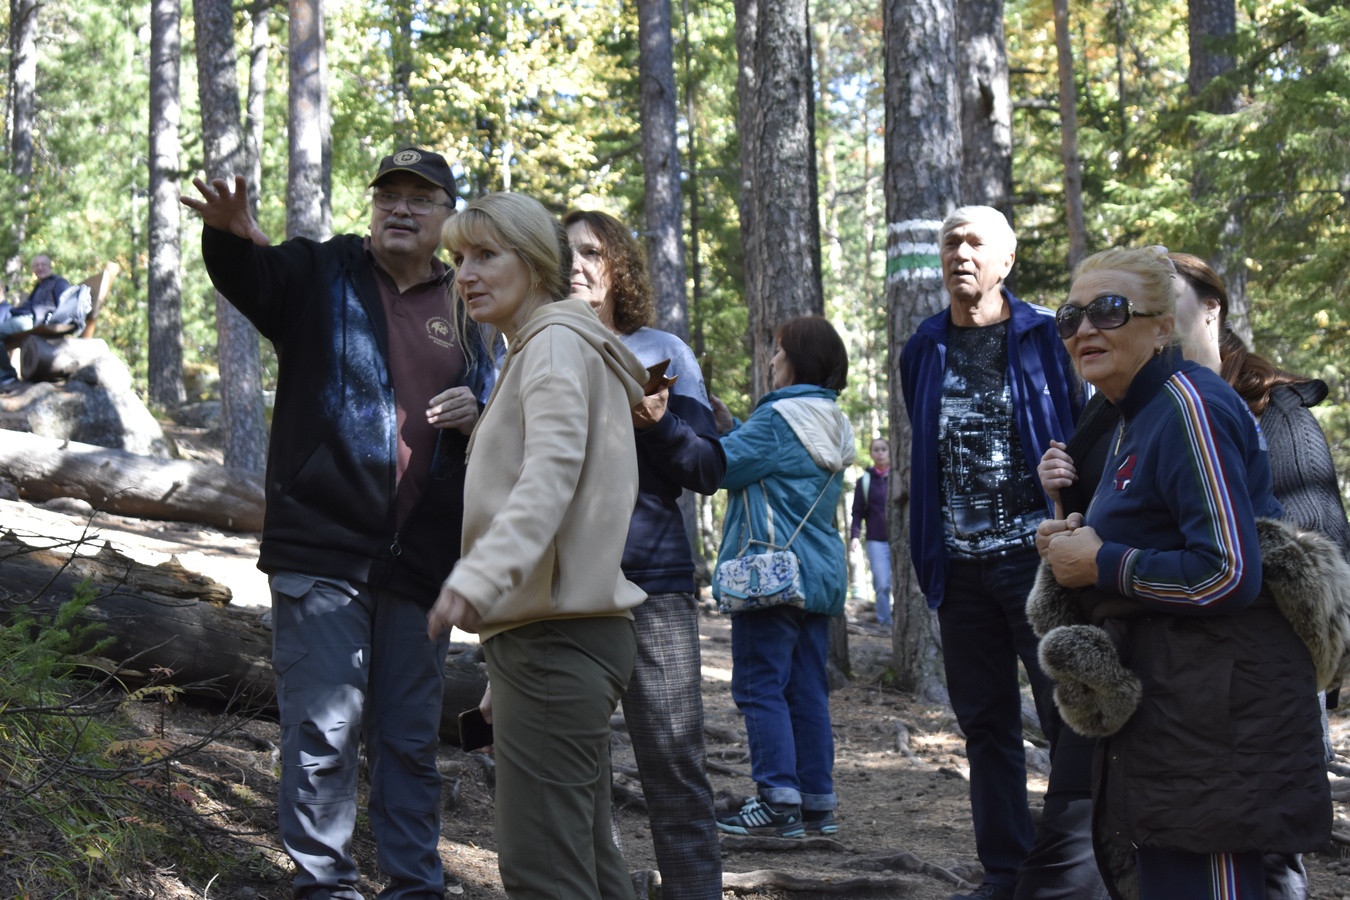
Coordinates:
<point>1210,751</point>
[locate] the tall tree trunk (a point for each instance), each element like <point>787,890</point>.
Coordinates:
<point>923,180</point>
<point>780,212</point>
<point>779,226</point>
<point>165,297</point>
<point>877,426</point>
<point>829,170</point>
<point>308,209</point>
<point>986,106</point>
<point>695,218</point>
<point>1068,120</point>
<point>23,110</point>
<point>237,348</point>
<point>661,166</point>
<point>401,66</point>
<point>1213,29</point>
<point>256,104</point>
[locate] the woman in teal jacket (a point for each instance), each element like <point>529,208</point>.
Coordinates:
<point>788,457</point>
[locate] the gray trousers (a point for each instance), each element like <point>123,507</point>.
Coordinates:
<point>355,664</point>
<point>554,686</point>
<point>663,708</point>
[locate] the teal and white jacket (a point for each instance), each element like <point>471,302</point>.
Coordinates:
<point>788,457</point>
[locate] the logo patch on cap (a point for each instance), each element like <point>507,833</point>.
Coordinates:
<point>406,157</point>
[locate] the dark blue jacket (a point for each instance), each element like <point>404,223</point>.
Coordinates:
<point>42,302</point>
<point>1045,397</point>
<point>681,451</point>
<point>332,457</point>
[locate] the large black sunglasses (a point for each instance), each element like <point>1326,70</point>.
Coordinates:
<point>1105,312</point>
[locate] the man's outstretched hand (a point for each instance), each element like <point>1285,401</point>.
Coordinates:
<point>226,210</point>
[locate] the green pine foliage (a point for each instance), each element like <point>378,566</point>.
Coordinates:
<point>544,96</point>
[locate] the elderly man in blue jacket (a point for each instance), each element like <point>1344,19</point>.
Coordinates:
<point>987,385</point>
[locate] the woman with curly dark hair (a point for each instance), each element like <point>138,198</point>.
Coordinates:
<point>677,449</point>
<point>609,271</point>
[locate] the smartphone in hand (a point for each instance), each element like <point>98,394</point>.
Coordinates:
<point>475,732</point>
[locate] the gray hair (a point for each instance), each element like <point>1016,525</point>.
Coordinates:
<point>992,224</point>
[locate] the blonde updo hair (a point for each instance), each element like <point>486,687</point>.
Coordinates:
<point>522,225</point>
<point>1153,268</point>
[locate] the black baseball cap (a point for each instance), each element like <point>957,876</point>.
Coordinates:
<point>428,166</point>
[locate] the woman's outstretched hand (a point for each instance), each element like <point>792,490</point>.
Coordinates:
<point>452,609</point>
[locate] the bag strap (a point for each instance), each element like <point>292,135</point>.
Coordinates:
<point>768,508</point>
<point>802,525</point>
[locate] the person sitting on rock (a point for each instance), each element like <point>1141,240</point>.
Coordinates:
<point>34,311</point>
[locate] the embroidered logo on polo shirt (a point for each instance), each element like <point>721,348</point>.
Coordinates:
<point>441,331</point>
<point>1125,474</point>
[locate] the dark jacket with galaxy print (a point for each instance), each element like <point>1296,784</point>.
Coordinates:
<point>332,459</point>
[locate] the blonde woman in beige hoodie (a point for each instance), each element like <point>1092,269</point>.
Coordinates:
<point>550,487</point>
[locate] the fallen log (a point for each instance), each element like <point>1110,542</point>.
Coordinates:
<point>763,880</point>
<point>128,484</point>
<point>47,359</point>
<point>165,618</point>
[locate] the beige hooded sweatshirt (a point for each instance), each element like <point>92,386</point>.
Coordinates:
<point>552,477</point>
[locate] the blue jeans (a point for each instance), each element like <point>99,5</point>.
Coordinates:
<point>8,326</point>
<point>984,632</point>
<point>879,561</point>
<point>353,663</point>
<point>779,683</point>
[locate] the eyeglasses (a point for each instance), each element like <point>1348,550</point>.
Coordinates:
<point>1105,313</point>
<point>418,206</point>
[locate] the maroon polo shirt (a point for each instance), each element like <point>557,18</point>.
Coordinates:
<point>425,358</point>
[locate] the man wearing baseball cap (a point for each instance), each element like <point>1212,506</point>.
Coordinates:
<point>378,387</point>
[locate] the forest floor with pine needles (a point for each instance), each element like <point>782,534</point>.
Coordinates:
<point>900,770</point>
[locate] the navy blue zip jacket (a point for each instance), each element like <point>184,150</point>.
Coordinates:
<point>332,457</point>
<point>683,450</point>
<point>1046,400</point>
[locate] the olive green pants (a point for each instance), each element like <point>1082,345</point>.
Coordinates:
<point>555,685</point>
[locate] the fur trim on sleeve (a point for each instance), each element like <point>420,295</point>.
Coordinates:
<point>1095,693</point>
<point>1050,604</point>
<point>1310,581</point>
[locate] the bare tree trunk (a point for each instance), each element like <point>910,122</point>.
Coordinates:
<point>661,165</point>
<point>401,65</point>
<point>780,217</point>
<point>222,139</point>
<point>130,484</point>
<point>256,104</point>
<point>923,178</point>
<point>165,297</point>
<point>308,212</point>
<point>695,220</point>
<point>986,106</point>
<point>1068,121</point>
<point>747,87</point>
<point>23,110</point>
<point>874,292</point>
<point>1213,29</point>
<point>829,170</point>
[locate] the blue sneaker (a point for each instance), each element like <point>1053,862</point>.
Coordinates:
<point>820,821</point>
<point>762,818</point>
